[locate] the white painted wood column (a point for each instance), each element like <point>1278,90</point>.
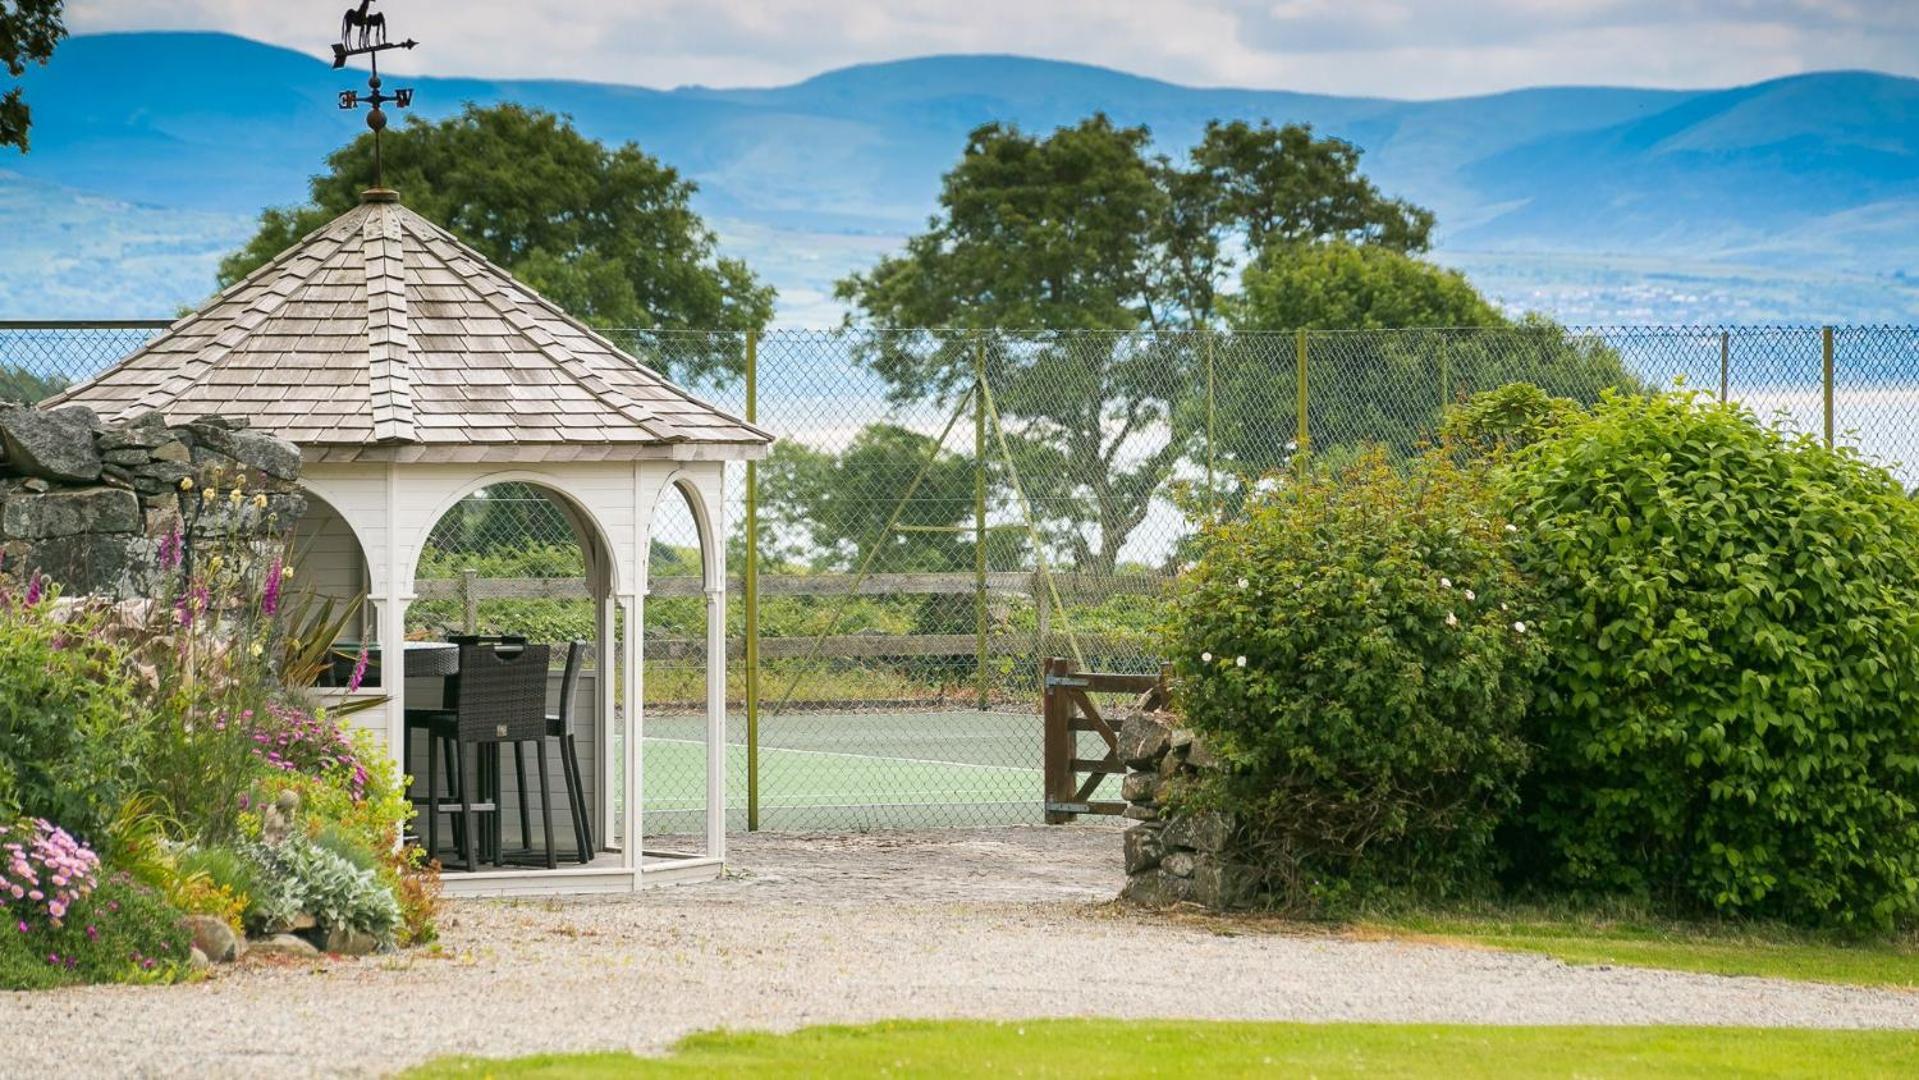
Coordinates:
<point>607,662</point>
<point>631,605</point>
<point>716,718</point>
<point>392,618</point>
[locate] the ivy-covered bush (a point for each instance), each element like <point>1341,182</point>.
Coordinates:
<point>1357,650</point>
<point>1731,717</point>
<point>72,727</point>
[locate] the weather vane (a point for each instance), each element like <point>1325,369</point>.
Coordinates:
<point>363,32</point>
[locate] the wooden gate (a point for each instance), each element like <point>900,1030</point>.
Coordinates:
<point>1068,708</point>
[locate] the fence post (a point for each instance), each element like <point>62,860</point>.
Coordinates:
<point>1726,365</point>
<point>1301,335</point>
<point>1212,490</point>
<point>1059,738</point>
<point>1825,351</point>
<point>979,514</point>
<point>470,600</point>
<point>1445,373</point>
<point>751,575</point>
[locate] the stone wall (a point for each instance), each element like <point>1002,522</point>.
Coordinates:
<point>1175,856</point>
<point>86,502</point>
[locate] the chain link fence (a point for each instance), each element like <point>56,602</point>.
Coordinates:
<point>945,509</point>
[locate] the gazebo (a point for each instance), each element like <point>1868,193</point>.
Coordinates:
<point>412,373</point>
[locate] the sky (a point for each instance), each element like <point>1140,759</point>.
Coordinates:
<point>1392,48</point>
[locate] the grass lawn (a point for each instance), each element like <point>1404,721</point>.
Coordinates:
<point>1079,1049</point>
<point>1643,941</point>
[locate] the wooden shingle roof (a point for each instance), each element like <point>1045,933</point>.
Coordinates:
<point>382,335</point>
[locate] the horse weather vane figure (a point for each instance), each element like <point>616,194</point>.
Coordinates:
<point>363,33</point>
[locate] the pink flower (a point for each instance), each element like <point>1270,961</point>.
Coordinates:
<point>36,587</point>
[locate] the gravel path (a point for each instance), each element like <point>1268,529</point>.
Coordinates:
<point>990,923</point>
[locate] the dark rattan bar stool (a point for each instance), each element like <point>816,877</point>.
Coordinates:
<point>560,726</point>
<point>500,698</point>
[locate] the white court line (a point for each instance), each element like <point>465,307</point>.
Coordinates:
<point>857,757</point>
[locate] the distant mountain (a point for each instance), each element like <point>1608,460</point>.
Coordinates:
<point>155,150</point>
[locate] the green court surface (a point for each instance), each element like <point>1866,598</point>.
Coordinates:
<point>853,770</point>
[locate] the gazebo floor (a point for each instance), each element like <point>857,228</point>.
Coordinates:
<point>605,874</point>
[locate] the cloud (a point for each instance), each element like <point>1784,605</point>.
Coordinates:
<point>1401,48</point>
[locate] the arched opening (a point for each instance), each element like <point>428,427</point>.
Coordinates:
<point>329,561</point>
<point>679,684</point>
<point>331,580</point>
<point>516,559</point>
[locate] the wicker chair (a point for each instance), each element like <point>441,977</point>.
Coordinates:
<point>500,697</point>
<point>560,726</point>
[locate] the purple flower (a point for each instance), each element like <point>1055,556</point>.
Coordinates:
<point>270,598</point>
<point>359,672</point>
<point>170,548</point>
<point>36,586</point>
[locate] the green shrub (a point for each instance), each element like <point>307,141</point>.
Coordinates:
<point>1731,718</point>
<point>1507,419</point>
<point>122,931</point>
<point>298,875</point>
<point>72,727</point>
<point>1354,649</point>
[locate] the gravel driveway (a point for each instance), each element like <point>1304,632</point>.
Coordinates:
<point>989,923</point>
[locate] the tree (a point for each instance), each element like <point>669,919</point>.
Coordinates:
<point>608,234</point>
<point>1374,387</point>
<point>1083,235</point>
<point>1345,286</point>
<point>29,30</point>
<point>837,504</point>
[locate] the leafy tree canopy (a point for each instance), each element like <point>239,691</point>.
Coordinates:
<point>839,503</point>
<point>1086,230</point>
<point>29,29</point>
<point>1347,286</point>
<point>609,234</point>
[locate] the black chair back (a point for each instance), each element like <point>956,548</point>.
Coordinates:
<point>502,692</point>
<point>570,682</point>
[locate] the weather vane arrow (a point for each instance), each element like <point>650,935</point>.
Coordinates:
<point>363,33</point>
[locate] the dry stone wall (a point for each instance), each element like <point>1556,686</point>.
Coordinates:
<point>1175,855</point>
<point>86,503</point>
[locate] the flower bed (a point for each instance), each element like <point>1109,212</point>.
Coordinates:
<point>167,788</point>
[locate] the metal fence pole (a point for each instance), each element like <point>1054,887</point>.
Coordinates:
<point>751,574</point>
<point>1445,373</point>
<point>1825,353</point>
<point>1301,344</point>
<point>1212,490</point>
<point>1726,365</point>
<point>979,516</point>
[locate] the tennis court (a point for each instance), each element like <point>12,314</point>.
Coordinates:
<point>853,770</point>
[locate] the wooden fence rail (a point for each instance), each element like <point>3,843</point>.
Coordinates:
<point>470,589</point>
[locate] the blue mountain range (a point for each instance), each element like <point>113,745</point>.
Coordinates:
<point>1793,199</point>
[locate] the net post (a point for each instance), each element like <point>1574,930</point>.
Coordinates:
<point>750,573</point>
<point>1825,355</point>
<point>979,516</point>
